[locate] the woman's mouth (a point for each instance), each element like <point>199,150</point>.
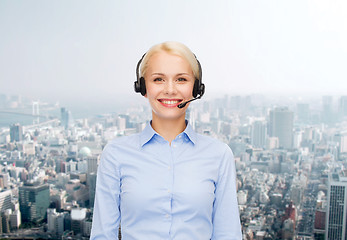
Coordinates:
<point>170,102</point>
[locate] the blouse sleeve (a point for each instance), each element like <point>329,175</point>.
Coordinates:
<point>106,216</point>
<point>225,216</point>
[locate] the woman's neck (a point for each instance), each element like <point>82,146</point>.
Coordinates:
<point>168,128</point>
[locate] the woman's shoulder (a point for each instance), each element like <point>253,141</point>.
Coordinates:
<point>123,141</point>
<point>117,148</point>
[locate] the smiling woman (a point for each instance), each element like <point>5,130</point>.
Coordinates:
<point>167,182</point>
<point>169,81</point>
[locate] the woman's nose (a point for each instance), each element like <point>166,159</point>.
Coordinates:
<point>170,87</point>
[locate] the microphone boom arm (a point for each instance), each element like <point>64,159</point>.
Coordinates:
<point>182,105</point>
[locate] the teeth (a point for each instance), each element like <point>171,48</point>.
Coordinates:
<point>169,102</point>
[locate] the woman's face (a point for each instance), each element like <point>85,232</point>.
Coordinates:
<point>169,81</point>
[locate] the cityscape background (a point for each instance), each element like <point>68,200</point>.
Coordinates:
<point>290,158</point>
<point>276,93</point>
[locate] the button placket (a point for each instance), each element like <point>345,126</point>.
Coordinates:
<point>170,178</point>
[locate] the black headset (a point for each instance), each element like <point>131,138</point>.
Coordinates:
<point>140,87</point>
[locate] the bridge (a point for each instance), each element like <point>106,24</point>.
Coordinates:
<point>27,114</point>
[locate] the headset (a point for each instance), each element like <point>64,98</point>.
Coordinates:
<point>198,89</point>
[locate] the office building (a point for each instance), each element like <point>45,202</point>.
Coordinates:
<point>34,201</point>
<point>258,134</point>
<point>5,221</point>
<point>5,200</point>
<point>3,180</point>
<point>335,227</point>
<point>92,186</point>
<point>343,106</point>
<point>281,122</point>
<point>327,110</point>
<point>78,215</point>
<point>15,219</point>
<point>303,112</point>
<point>16,133</point>
<point>92,163</point>
<point>65,118</point>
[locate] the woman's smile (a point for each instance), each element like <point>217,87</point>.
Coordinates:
<point>171,103</point>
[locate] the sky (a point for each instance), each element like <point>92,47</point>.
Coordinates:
<point>87,51</point>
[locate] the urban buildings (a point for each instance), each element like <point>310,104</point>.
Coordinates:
<point>290,165</point>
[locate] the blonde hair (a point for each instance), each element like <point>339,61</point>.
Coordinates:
<point>174,48</point>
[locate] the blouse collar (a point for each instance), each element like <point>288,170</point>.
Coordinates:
<point>149,133</point>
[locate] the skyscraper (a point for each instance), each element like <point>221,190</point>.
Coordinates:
<point>34,201</point>
<point>335,227</point>
<point>303,112</point>
<point>65,118</point>
<point>5,200</point>
<point>92,163</point>
<point>16,132</point>
<point>327,110</point>
<point>281,125</point>
<point>92,186</point>
<point>343,106</point>
<point>258,134</point>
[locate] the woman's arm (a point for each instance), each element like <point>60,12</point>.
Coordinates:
<point>226,218</point>
<point>106,216</point>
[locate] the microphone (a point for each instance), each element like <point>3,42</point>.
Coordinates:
<point>182,105</point>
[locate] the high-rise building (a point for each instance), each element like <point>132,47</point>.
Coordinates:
<point>36,111</point>
<point>15,219</point>
<point>65,118</point>
<point>5,217</point>
<point>3,180</point>
<point>5,200</point>
<point>341,139</point>
<point>16,133</point>
<point>92,186</point>
<point>303,112</point>
<point>55,221</point>
<point>335,227</point>
<point>281,125</point>
<point>319,223</point>
<point>327,110</point>
<point>92,163</point>
<point>78,215</point>
<point>258,134</point>
<point>34,201</point>
<point>343,106</point>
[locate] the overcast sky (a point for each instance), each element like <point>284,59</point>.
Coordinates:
<point>84,50</point>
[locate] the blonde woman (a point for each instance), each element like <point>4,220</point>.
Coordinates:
<point>167,182</point>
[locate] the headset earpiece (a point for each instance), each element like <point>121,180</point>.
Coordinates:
<point>199,87</point>
<point>196,88</point>
<point>142,86</point>
<point>139,84</point>
<point>202,89</point>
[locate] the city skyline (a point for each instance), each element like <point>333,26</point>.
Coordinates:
<point>87,51</point>
<point>283,188</point>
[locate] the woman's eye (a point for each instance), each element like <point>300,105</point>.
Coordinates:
<point>158,80</point>
<point>182,80</point>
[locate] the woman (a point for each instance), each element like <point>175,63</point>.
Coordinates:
<point>167,182</point>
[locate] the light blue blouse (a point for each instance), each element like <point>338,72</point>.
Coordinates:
<point>185,191</point>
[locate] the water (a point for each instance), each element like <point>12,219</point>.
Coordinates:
<point>8,119</point>
<point>86,111</point>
